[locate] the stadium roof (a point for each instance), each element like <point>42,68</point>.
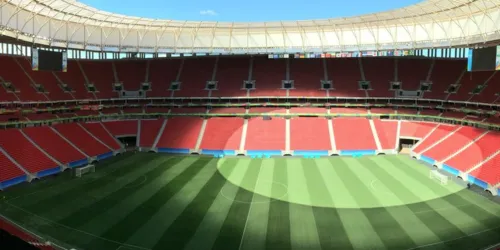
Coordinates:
<point>469,21</point>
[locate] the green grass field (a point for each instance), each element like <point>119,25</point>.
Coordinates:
<point>155,201</point>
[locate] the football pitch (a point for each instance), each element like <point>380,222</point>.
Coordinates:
<point>154,201</point>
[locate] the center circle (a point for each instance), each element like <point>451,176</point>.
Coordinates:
<point>261,192</point>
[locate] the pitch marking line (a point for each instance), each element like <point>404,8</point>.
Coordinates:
<point>372,186</point>
<point>250,209</point>
<point>77,230</point>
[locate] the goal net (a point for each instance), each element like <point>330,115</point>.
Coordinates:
<point>434,174</point>
<point>84,170</point>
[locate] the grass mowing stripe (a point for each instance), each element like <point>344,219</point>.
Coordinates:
<point>454,213</point>
<point>303,228</point>
<point>278,225</point>
<point>419,231</point>
<point>182,229</point>
<point>379,217</point>
<point>61,180</point>
<point>212,222</point>
<point>329,226</point>
<point>358,228</point>
<point>232,230</point>
<point>41,203</point>
<point>174,189</point>
<point>256,228</point>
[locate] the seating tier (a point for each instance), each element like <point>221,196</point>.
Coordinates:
<point>98,130</point>
<point>309,134</point>
<point>222,134</point>
<point>180,132</point>
<point>353,134</point>
<point>81,139</point>
<point>265,134</point>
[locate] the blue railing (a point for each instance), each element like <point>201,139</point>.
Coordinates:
<point>174,150</point>
<point>48,172</point>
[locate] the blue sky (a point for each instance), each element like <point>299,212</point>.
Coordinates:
<point>247,10</point>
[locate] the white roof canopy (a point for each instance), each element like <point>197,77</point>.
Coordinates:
<point>69,23</point>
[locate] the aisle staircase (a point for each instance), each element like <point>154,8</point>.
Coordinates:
<point>375,135</point>
<point>160,133</point>
<point>200,136</point>
<point>63,166</point>
<point>70,143</point>
<point>243,137</point>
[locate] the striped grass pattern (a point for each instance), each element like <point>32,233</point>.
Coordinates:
<point>153,201</point>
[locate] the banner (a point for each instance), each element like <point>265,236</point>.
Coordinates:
<point>34,59</point>
<point>497,65</point>
<point>65,61</point>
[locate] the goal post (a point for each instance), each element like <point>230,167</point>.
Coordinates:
<point>435,174</point>
<point>84,170</point>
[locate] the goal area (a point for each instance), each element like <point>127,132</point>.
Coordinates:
<point>84,170</point>
<point>435,174</point>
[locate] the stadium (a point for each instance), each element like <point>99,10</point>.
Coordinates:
<point>377,131</point>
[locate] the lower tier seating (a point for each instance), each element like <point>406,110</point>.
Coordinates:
<point>417,130</point>
<point>265,134</point>
<point>309,134</point>
<point>24,152</point>
<point>489,171</point>
<point>452,144</point>
<point>98,130</point>
<point>387,133</point>
<point>439,133</point>
<point>353,134</point>
<point>222,134</point>
<point>149,131</point>
<point>81,139</point>
<point>8,169</point>
<point>122,128</point>
<point>53,144</point>
<point>180,132</point>
<point>476,153</point>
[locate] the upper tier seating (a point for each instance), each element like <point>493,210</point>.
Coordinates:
<point>98,130</point>
<point>76,80</point>
<point>53,144</point>
<point>353,134</point>
<point>345,75</point>
<point>268,75</point>
<point>122,128</point>
<point>231,72</point>
<point>100,73</point>
<point>24,152</point>
<point>11,72</point>
<point>265,134</point>
<point>436,135</point>
<point>132,110</point>
<point>161,74</point>
<point>22,234</point>
<point>379,71</point>
<point>387,133</point>
<point>309,134</point>
<point>6,96</point>
<point>8,169</point>
<point>40,116</point>
<point>411,72</point>
<point>489,171</point>
<point>445,73</point>
<point>180,132</point>
<point>81,139</point>
<point>222,134</point>
<point>195,74</point>
<point>476,152</point>
<point>47,80</point>
<point>468,82</point>
<point>491,92</point>
<point>452,144</point>
<point>416,129</point>
<point>307,76</point>
<point>149,131</point>
<point>131,73</point>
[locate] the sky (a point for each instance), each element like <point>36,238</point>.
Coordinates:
<point>246,10</point>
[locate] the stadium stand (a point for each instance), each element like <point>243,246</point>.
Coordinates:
<point>445,73</point>
<point>476,152</point>
<point>11,72</point>
<point>265,135</point>
<point>227,111</point>
<point>156,110</point>
<point>416,129</point>
<point>20,233</point>
<point>307,110</point>
<point>100,73</point>
<point>468,83</point>
<point>452,144</point>
<point>40,116</point>
<point>268,75</point>
<point>382,111</point>
<point>9,170</point>
<point>122,128</point>
<point>98,130</point>
<point>435,136</point>
<point>131,73</point>
<point>489,172</point>
<point>75,79</point>
<point>309,134</point>
<point>149,132</point>
<point>180,133</point>
<point>345,75</point>
<point>380,72</point>
<point>231,72</point>
<point>132,110</point>
<point>54,145</point>
<point>47,80</point>
<point>411,72</point>
<point>348,111</point>
<point>307,76</point>
<point>81,139</point>
<point>222,134</point>
<point>387,133</point>
<point>195,74</point>
<point>353,134</point>
<point>267,110</point>
<point>161,74</point>
<point>25,153</point>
